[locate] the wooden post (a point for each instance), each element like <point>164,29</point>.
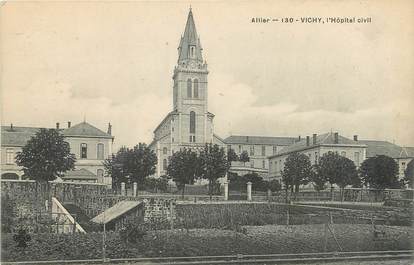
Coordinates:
<point>226,191</point>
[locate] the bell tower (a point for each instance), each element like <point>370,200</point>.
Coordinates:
<point>190,91</point>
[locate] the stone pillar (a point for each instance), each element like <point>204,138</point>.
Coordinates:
<point>123,191</point>
<point>249,191</point>
<point>269,194</point>
<point>226,190</point>
<point>135,189</point>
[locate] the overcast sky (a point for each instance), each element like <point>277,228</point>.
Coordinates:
<point>113,62</point>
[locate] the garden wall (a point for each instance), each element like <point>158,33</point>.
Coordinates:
<point>27,202</point>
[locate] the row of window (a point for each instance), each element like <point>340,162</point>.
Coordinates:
<point>99,151</point>
<point>316,159</point>
<point>252,150</point>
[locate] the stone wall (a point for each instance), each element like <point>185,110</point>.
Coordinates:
<point>29,201</point>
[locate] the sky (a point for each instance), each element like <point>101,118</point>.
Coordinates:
<point>113,62</point>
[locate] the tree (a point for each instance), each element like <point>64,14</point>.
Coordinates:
<point>297,170</point>
<point>244,157</point>
<point>231,155</point>
<point>214,164</point>
<point>380,172</point>
<point>337,169</point>
<point>318,181</point>
<point>46,156</point>
<point>409,174</point>
<point>131,164</point>
<point>184,167</point>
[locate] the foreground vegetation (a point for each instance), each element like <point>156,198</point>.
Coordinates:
<point>199,242</point>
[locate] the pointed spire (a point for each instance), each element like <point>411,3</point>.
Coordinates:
<point>190,46</point>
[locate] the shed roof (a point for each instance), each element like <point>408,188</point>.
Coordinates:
<point>115,211</point>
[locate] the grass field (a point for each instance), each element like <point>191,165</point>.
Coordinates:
<point>199,242</point>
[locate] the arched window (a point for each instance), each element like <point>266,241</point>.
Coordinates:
<point>164,164</point>
<point>192,122</point>
<point>164,150</point>
<point>196,88</point>
<point>100,151</point>
<point>83,150</point>
<point>189,89</point>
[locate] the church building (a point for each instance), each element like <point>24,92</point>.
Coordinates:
<point>189,124</point>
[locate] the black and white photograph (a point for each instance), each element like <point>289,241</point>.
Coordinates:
<point>207,132</point>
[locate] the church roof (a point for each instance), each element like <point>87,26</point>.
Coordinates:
<point>323,139</point>
<point>267,140</point>
<point>190,38</point>
<point>375,148</point>
<point>85,129</point>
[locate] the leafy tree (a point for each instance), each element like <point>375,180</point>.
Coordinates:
<point>131,164</point>
<point>157,184</point>
<point>231,155</point>
<point>214,164</point>
<point>318,180</point>
<point>297,171</point>
<point>46,156</point>
<point>337,169</point>
<point>409,174</point>
<point>380,172</point>
<point>274,185</point>
<point>184,167</point>
<point>244,157</point>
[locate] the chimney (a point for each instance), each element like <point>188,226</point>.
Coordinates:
<point>336,138</point>
<point>314,139</point>
<point>109,129</point>
<point>356,138</point>
<point>69,124</point>
<point>299,138</point>
<point>307,140</point>
<point>11,126</point>
<point>57,125</point>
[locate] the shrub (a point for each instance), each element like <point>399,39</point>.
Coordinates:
<point>132,233</point>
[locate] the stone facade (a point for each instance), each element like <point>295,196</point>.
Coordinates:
<point>259,149</point>
<point>315,147</point>
<point>189,125</point>
<point>90,146</point>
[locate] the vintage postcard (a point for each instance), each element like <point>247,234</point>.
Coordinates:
<point>207,132</point>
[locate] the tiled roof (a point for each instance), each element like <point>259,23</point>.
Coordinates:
<point>85,129</point>
<point>323,139</point>
<point>375,148</point>
<point>244,139</point>
<point>115,211</point>
<point>410,151</point>
<point>79,174</point>
<point>18,136</point>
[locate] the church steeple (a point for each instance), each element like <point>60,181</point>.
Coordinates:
<point>190,46</point>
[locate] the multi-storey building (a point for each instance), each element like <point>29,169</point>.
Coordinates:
<point>315,147</point>
<point>259,148</point>
<point>90,145</point>
<point>401,155</point>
